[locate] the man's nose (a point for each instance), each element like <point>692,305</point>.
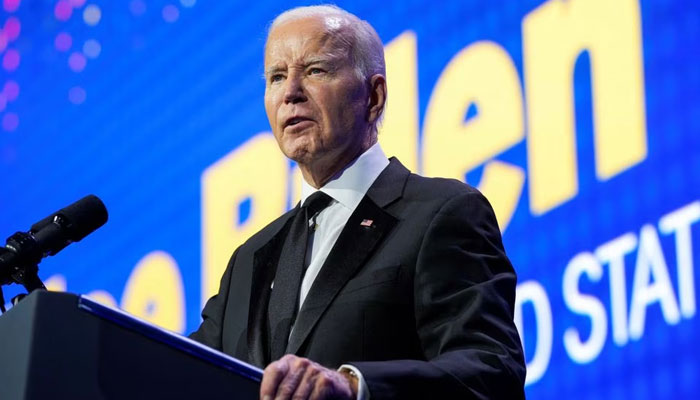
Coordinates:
<point>294,90</point>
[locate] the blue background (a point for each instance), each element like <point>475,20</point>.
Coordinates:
<point>164,100</point>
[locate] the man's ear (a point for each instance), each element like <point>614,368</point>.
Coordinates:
<point>377,97</point>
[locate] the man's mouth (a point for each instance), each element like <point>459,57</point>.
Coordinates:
<point>295,121</point>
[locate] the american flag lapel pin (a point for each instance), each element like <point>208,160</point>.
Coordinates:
<point>366,222</point>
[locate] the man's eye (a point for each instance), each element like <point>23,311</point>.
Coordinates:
<point>315,71</point>
<point>276,78</point>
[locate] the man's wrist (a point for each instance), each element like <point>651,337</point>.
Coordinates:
<point>352,378</point>
<point>356,380</point>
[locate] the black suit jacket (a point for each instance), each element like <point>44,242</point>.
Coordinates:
<point>421,301</point>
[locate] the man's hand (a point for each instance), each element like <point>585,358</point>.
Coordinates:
<point>297,378</point>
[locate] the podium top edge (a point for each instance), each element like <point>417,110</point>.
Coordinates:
<point>169,338</point>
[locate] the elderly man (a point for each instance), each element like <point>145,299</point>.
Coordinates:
<point>381,283</point>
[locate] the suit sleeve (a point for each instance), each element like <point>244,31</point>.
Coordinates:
<point>464,292</point>
<point>209,332</point>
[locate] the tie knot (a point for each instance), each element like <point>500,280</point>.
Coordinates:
<point>316,203</point>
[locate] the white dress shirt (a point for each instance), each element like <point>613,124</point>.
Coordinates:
<point>347,190</point>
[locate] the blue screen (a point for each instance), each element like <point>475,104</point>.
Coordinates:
<point>578,119</point>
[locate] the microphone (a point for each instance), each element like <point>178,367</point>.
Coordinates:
<point>49,236</point>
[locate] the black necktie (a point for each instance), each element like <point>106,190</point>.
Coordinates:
<point>284,299</point>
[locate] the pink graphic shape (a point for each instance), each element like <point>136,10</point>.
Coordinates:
<point>10,121</point>
<point>12,28</point>
<point>77,95</point>
<point>77,61</point>
<point>63,10</point>
<point>10,5</point>
<point>3,102</point>
<point>3,41</point>
<point>10,90</point>
<point>170,13</point>
<point>77,3</point>
<point>10,61</point>
<point>63,41</point>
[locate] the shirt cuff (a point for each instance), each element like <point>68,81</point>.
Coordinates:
<point>362,389</point>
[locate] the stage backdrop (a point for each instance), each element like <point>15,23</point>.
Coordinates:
<point>579,120</point>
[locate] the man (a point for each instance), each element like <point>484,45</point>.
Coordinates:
<point>402,289</point>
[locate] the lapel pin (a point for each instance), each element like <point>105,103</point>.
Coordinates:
<point>366,222</point>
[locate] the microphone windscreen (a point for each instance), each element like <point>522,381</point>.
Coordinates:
<point>84,216</point>
<point>78,219</point>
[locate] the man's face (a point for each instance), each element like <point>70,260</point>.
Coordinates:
<point>315,102</point>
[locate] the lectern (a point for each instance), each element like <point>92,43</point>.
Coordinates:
<point>64,346</point>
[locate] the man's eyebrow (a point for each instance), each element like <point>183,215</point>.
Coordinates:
<point>273,69</point>
<point>323,60</point>
<point>327,60</point>
<point>317,60</point>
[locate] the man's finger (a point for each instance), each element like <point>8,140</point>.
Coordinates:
<point>272,376</point>
<point>330,384</point>
<point>306,385</point>
<point>288,386</point>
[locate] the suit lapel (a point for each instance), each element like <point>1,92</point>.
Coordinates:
<point>389,185</point>
<point>365,229</point>
<point>265,262</point>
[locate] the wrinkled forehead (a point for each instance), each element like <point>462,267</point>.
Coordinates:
<point>301,38</point>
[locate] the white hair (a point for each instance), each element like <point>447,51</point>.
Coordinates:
<point>366,49</point>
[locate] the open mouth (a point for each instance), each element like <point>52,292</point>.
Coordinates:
<point>296,121</point>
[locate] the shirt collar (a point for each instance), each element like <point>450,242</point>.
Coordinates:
<point>352,184</point>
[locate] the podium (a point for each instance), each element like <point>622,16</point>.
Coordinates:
<point>64,346</point>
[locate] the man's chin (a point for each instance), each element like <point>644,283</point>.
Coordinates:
<point>300,154</point>
<point>300,149</point>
